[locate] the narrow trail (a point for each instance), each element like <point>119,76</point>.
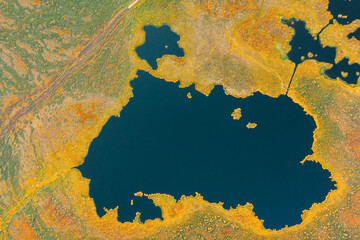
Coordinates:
<point>93,46</point>
<point>292,77</point>
<point>331,21</point>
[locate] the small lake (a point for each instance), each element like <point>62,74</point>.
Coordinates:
<point>166,142</point>
<point>159,41</point>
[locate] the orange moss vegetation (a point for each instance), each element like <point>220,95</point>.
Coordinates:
<point>7,23</point>
<point>86,113</point>
<point>56,218</point>
<point>22,229</point>
<point>355,198</point>
<point>351,222</point>
<point>236,115</point>
<point>227,9</point>
<point>251,125</point>
<point>237,44</point>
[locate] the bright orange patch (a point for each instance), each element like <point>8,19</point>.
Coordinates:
<point>86,113</point>
<point>350,220</point>
<point>354,142</point>
<point>21,229</point>
<point>58,218</point>
<point>355,198</point>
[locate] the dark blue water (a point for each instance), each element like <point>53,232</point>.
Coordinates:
<point>304,43</point>
<point>164,142</point>
<point>305,46</point>
<point>159,41</point>
<point>344,11</point>
<point>349,73</point>
<point>355,34</point>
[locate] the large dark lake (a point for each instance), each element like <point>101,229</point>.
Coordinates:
<point>164,142</point>
<point>168,142</point>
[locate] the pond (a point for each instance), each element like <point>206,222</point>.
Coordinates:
<point>159,41</point>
